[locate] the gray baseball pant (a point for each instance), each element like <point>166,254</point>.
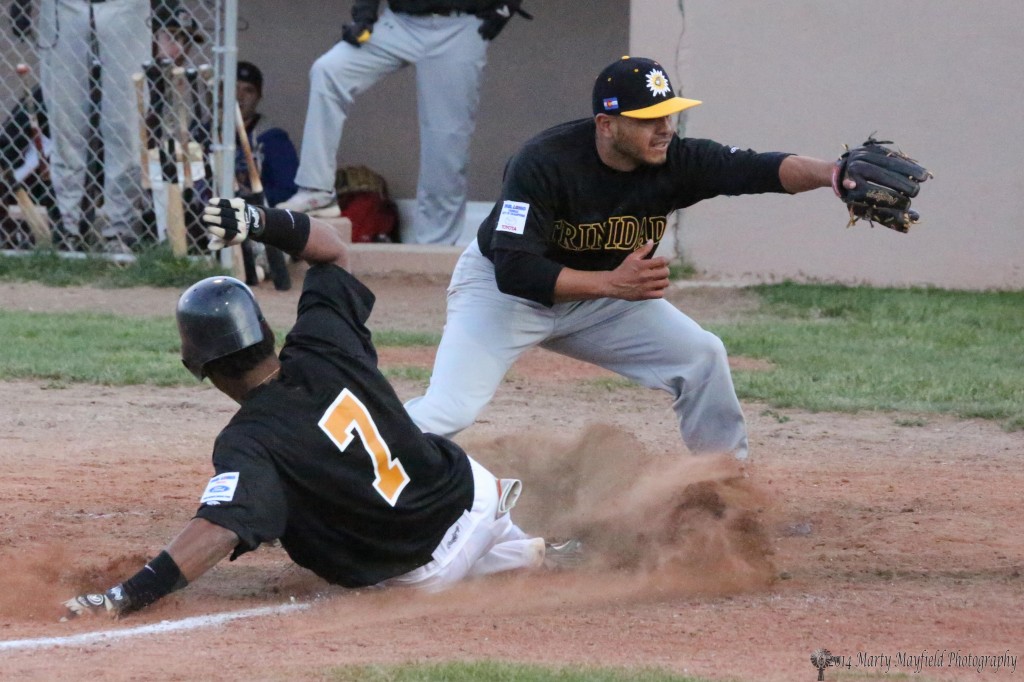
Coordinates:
<point>450,57</point>
<point>650,342</point>
<point>124,40</point>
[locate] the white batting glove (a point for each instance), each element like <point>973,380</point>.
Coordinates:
<point>230,221</point>
<point>111,603</point>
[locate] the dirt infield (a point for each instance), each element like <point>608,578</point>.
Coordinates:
<point>895,541</point>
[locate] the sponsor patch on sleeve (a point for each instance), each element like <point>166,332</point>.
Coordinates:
<point>513,217</point>
<point>221,488</point>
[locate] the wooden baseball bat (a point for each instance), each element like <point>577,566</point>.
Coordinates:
<point>39,226</point>
<point>170,154</point>
<point>181,113</point>
<point>238,262</point>
<point>204,73</point>
<point>25,71</point>
<point>176,233</point>
<point>201,96</point>
<point>140,103</point>
<point>255,184</point>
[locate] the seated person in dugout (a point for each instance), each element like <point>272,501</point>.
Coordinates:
<point>321,455</point>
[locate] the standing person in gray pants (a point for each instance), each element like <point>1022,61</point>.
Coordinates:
<point>447,41</point>
<point>117,34</point>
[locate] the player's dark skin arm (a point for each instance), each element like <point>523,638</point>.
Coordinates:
<point>200,546</point>
<point>323,246</point>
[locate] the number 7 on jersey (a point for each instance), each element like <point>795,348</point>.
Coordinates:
<point>346,415</point>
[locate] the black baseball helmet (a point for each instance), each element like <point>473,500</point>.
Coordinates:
<point>216,317</point>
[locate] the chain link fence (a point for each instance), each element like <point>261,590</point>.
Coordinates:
<point>110,123</point>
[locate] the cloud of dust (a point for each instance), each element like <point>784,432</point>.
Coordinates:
<point>661,523</point>
<point>686,523</point>
<point>37,580</point>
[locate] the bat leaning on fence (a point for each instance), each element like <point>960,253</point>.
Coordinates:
<point>138,79</point>
<point>181,108</point>
<point>37,223</point>
<point>158,77</point>
<point>28,97</point>
<point>176,231</point>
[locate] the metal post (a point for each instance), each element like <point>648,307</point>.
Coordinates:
<point>226,152</point>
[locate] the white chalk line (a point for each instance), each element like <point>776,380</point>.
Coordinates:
<point>192,623</point>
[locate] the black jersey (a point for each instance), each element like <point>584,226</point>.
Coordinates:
<point>326,458</point>
<point>570,208</point>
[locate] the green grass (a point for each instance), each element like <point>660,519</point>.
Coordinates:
<point>154,266</point>
<point>91,348</point>
<point>682,270</point>
<point>858,348</point>
<point>613,383</point>
<point>489,671</point>
<point>419,374</point>
<point>390,338</point>
<point>919,351</point>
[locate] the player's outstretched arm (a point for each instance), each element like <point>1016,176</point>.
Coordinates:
<point>804,173</point>
<point>197,549</point>
<point>636,279</point>
<point>232,221</point>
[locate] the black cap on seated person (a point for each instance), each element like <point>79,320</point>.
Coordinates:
<point>637,88</point>
<point>250,73</point>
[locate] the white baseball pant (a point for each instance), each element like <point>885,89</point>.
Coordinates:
<point>483,541</point>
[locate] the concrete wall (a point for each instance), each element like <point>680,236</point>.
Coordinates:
<point>944,78</point>
<point>539,73</point>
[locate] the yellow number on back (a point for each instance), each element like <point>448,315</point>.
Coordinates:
<point>346,415</point>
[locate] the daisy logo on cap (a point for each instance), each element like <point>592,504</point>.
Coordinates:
<point>657,83</point>
<point>636,87</point>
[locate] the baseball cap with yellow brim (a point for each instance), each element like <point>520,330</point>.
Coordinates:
<point>637,88</point>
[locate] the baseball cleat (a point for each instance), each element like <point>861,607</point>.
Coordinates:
<point>313,202</point>
<point>563,555</point>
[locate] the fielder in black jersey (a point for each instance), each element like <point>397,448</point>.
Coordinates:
<point>586,215</point>
<point>321,454</point>
<point>565,260</point>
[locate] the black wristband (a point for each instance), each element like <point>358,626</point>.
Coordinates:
<point>286,230</point>
<point>157,579</point>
